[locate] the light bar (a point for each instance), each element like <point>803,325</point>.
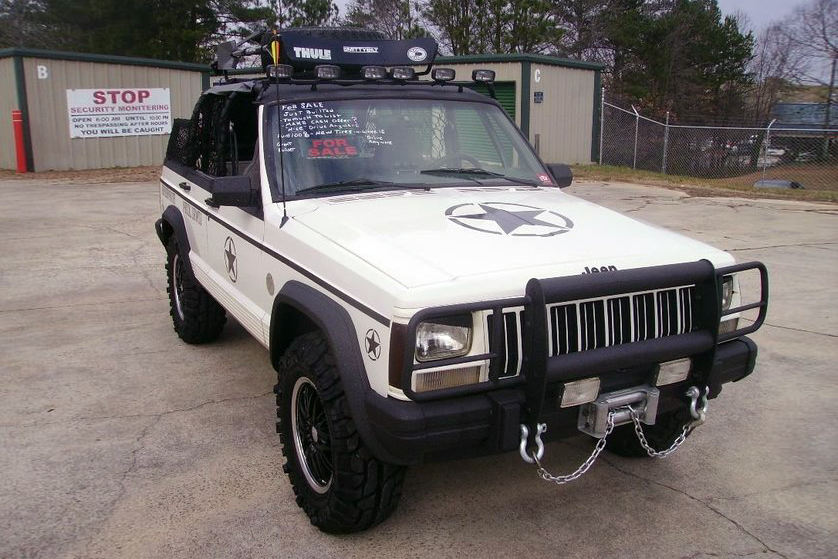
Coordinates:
<point>280,71</point>
<point>443,74</point>
<point>403,73</point>
<point>326,72</point>
<point>483,76</point>
<point>374,72</point>
<point>673,371</point>
<point>580,392</point>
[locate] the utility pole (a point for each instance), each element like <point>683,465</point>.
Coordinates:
<point>828,107</point>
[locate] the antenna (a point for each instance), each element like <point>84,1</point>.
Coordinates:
<point>275,56</point>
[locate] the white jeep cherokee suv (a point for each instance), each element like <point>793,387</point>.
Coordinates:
<point>424,287</point>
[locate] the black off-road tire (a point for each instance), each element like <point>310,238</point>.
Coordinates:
<point>660,436</point>
<point>196,316</point>
<point>360,491</point>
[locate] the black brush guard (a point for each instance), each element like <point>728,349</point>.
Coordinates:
<point>538,369</point>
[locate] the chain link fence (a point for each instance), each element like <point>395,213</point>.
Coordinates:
<point>770,156</point>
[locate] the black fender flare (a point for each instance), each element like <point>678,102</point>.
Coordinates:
<point>171,223</point>
<point>337,326</point>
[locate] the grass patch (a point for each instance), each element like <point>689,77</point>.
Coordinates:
<point>824,191</point>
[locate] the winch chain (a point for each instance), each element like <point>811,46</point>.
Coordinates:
<point>638,429</point>
<point>586,465</point>
<point>698,414</point>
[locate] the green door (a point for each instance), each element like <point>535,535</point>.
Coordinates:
<point>504,92</point>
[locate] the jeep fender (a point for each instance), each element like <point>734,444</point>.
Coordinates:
<point>295,299</point>
<point>172,224</point>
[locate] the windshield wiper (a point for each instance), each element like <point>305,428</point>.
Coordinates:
<point>358,184</point>
<point>473,172</point>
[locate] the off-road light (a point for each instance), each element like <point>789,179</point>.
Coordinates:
<point>673,371</point>
<point>280,71</point>
<point>580,392</point>
<point>374,72</point>
<point>443,74</point>
<point>439,380</point>
<point>326,72</point>
<point>484,76</point>
<point>403,73</point>
<point>727,292</point>
<point>443,338</point>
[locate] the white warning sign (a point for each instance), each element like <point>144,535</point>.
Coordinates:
<point>98,113</point>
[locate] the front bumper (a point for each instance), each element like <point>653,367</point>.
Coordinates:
<point>489,423</point>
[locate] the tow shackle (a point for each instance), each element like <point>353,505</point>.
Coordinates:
<point>699,415</point>
<point>539,444</point>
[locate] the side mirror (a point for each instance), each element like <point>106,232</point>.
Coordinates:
<point>561,174</point>
<point>235,190</point>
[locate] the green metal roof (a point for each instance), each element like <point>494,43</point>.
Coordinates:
<point>102,59</point>
<point>533,58</point>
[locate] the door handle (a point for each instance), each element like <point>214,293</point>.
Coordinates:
<point>184,185</point>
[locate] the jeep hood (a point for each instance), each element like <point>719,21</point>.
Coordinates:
<point>423,238</point>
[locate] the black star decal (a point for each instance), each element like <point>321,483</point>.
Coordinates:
<point>510,221</point>
<point>230,258</point>
<point>373,344</point>
<point>504,218</point>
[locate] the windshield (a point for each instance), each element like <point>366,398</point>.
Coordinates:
<point>329,146</point>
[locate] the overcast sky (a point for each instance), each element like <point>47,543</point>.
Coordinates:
<point>760,12</point>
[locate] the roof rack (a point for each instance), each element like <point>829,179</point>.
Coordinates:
<point>303,49</point>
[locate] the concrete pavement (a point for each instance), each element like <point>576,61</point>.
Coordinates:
<point>120,441</point>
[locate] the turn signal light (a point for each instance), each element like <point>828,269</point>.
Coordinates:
<point>729,325</point>
<point>439,380</point>
<point>580,392</point>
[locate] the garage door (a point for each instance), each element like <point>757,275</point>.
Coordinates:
<point>504,92</point>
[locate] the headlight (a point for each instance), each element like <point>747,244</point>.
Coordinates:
<point>442,338</point>
<point>727,292</point>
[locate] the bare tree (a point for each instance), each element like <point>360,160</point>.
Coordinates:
<point>775,68</point>
<point>813,33</point>
<point>397,19</point>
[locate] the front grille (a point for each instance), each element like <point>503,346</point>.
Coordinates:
<point>512,334</point>
<point>592,324</point>
<point>585,325</point>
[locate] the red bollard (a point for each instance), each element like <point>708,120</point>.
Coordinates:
<point>17,122</point>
